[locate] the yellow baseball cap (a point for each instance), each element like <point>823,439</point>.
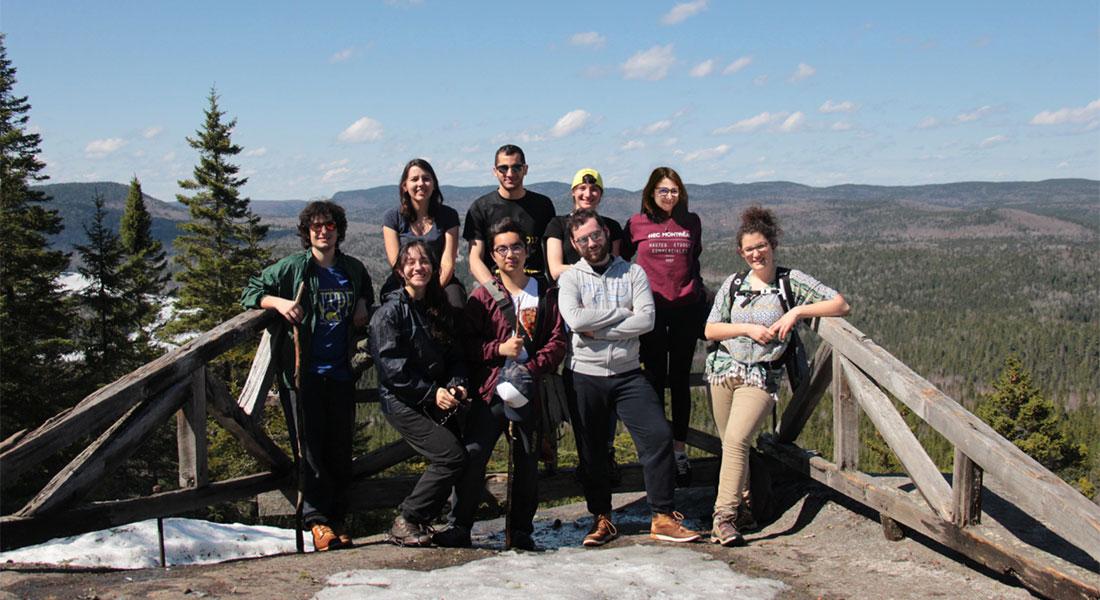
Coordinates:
<point>578,178</point>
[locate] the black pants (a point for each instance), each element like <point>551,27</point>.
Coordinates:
<point>484,424</point>
<point>328,424</point>
<point>666,354</point>
<point>446,459</point>
<point>592,400</point>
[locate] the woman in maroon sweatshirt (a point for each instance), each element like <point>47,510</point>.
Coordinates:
<point>666,241</point>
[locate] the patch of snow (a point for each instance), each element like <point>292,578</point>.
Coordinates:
<point>72,282</point>
<point>134,546</point>
<point>623,573</point>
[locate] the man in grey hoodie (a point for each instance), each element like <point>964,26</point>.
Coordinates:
<point>607,304</point>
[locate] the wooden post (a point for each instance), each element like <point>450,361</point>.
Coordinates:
<point>845,420</point>
<point>191,434</point>
<point>966,488</point>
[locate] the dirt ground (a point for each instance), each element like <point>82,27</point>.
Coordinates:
<point>822,546</point>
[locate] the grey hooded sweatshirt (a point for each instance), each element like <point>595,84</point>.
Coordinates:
<point>616,307</point>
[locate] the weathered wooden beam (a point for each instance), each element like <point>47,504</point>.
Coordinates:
<point>248,431</point>
<point>928,479</point>
<point>703,441</point>
<point>379,460</point>
<point>1026,483</point>
<point>845,421</point>
<point>260,376</point>
<point>1007,556</point>
<point>108,451</point>
<point>966,488</point>
<point>191,434</point>
<point>110,402</point>
<point>19,531</point>
<point>805,398</point>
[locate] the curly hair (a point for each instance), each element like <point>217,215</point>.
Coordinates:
<point>327,210</point>
<point>407,211</point>
<point>757,219</point>
<point>649,204</point>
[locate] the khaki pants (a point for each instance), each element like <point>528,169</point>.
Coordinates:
<point>739,410</point>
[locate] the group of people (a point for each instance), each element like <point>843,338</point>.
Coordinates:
<point>618,308</point>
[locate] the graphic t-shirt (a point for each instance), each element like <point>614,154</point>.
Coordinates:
<point>445,218</point>
<point>329,343</point>
<point>532,213</point>
<point>669,252</point>
<point>557,230</point>
<point>526,303</point>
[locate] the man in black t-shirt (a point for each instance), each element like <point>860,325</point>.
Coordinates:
<point>531,210</point>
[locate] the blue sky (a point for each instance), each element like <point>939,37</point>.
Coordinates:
<point>333,96</point>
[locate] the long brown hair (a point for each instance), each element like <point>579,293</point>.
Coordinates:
<point>649,205</point>
<point>407,211</point>
<point>441,317</point>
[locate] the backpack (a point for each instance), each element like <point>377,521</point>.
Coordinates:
<point>794,358</point>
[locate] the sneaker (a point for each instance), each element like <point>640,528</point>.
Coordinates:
<point>725,530</point>
<point>602,532</point>
<point>406,533</point>
<point>614,475</point>
<point>324,538</point>
<point>668,527</point>
<point>683,470</point>
<point>521,540</point>
<point>455,536</point>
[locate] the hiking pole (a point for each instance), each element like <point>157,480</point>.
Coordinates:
<point>299,463</point>
<point>508,490</point>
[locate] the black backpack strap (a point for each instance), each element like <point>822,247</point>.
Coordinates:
<point>786,297</point>
<point>735,286</point>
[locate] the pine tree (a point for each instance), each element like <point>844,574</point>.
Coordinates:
<point>220,246</point>
<point>34,321</point>
<point>110,310</point>
<point>1019,412</point>
<point>145,255</point>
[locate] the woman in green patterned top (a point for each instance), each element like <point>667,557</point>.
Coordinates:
<point>752,330</point>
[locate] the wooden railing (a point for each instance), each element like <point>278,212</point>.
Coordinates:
<point>858,373</point>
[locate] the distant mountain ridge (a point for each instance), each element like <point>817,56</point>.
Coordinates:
<point>1074,201</point>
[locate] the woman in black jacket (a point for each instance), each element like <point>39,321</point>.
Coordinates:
<point>421,383</point>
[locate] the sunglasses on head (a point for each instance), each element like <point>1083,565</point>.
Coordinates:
<point>326,226</point>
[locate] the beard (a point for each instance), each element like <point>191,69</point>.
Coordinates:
<point>596,255</point>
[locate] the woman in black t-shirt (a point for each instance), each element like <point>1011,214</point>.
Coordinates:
<point>422,216</point>
<point>587,193</point>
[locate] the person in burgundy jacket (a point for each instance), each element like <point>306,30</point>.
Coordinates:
<point>529,339</point>
<point>665,239</point>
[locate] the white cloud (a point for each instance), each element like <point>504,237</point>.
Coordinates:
<point>737,65</point>
<point>343,162</point>
<point>341,55</point>
<point>337,174</point>
<point>793,122</point>
<point>101,148</point>
<point>526,137</point>
<point>633,145</point>
<point>841,126</point>
<point>928,123</point>
<point>683,10</point>
<point>762,174</point>
<point>169,157</point>
<point>752,123</point>
<point>707,153</point>
<point>1082,114</point>
<point>973,115</point>
<point>1062,165</point>
<point>652,64</point>
<point>588,38</point>
<point>365,129</point>
<point>804,71</point>
<point>703,69</point>
<point>760,80</point>
<point>262,150</point>
<point>461,166</point>
<point>152,132</point>
<point>657,126</point>
<point>570,122</point>
<point>846,106</point>
<point>470,149</point>
<point>991,141</point>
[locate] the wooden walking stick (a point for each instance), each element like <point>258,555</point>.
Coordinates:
<point>295,398</point>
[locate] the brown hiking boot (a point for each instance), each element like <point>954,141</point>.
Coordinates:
<point>324,538</point>
<point>725,531</point>
<point>406,533</point>
<point>602,532</point>
<point>668,527</point>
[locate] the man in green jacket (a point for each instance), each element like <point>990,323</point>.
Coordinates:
<point>336,299</point>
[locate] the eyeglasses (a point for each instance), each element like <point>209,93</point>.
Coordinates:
<point>503,251</point>
<point>757,248</point>
<point>666,192</point>
<point>326,226</point>
<point>593,238</point>
<point>503,169</point>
